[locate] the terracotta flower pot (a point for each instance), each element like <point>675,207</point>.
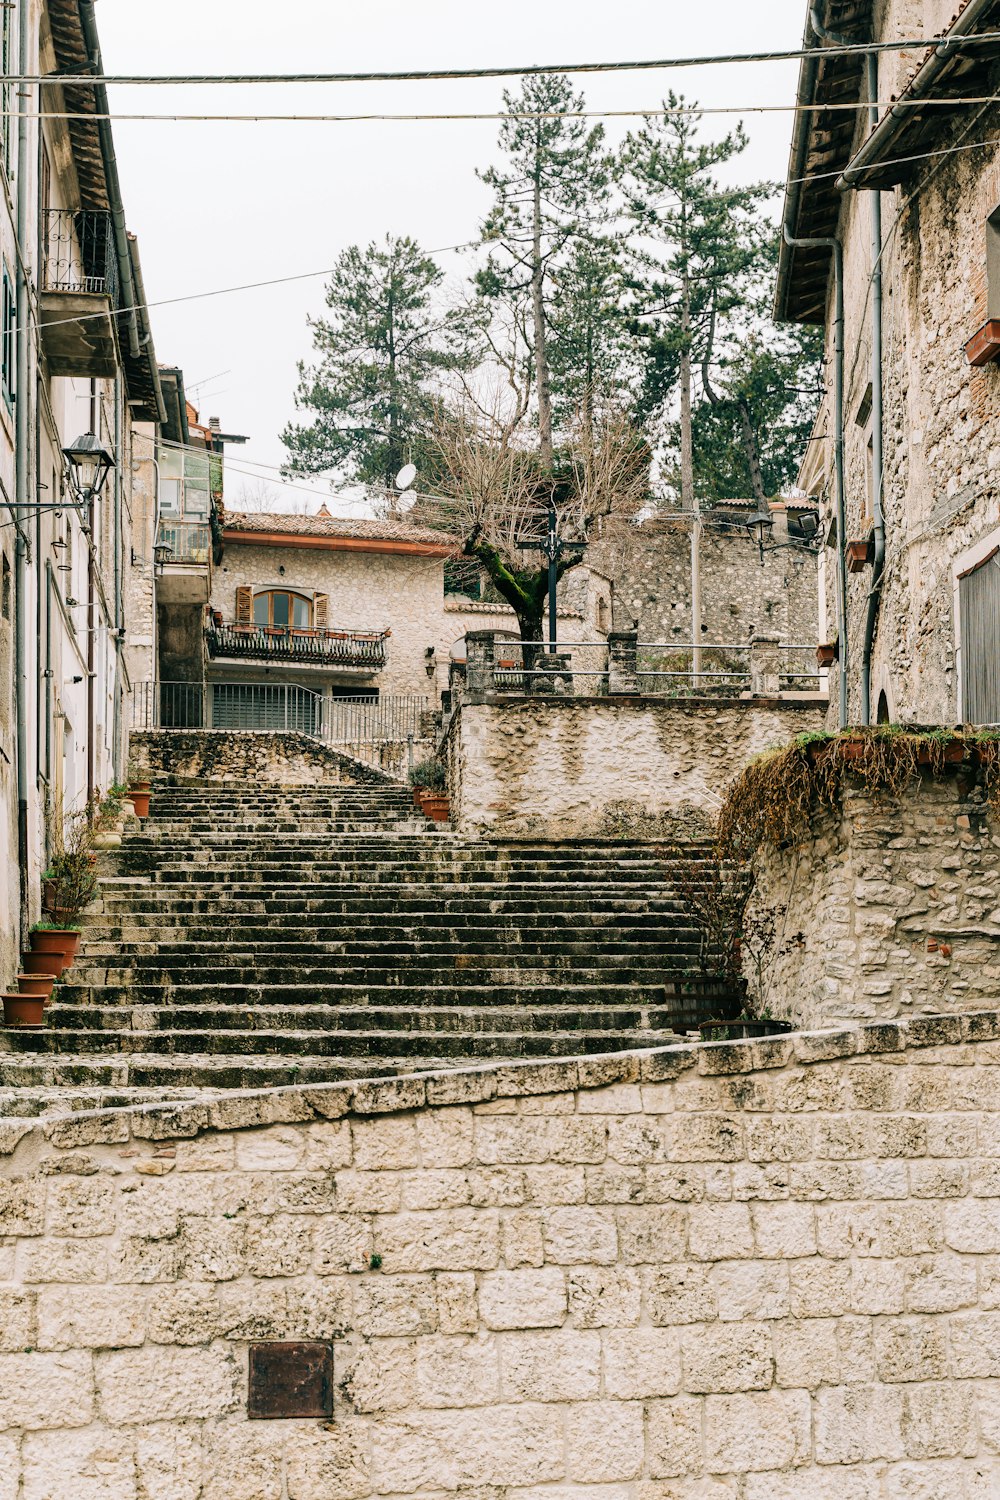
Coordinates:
<point>859,555</point>
<point>952,754</point>
<point>61,942</point>
<point>36,984</point>
<point>140,801</point>
<point>826,655</point>
<point>139,786</point>
<point>418,792</point>
<point>23,1010</point>
<point>41,963</point>
<point>436,807</point>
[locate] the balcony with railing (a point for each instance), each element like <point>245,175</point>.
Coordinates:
<point>78,298</point>
<point>346,650</point>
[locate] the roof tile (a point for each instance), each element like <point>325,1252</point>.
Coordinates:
<point>352,528</point>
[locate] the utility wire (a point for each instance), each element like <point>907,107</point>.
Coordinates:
<point>381,117</point>
<point>848,49</point>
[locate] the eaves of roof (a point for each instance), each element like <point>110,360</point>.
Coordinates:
<point>822,140</point>
<point>333,543</point>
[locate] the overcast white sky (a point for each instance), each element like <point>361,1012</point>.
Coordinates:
<point>216,204</point>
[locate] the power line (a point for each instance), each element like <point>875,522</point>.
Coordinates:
<point>657,111</point>
<point>428,75</point>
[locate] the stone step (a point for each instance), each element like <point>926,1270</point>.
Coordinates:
<point>658,969</point>
<point>636,992</point>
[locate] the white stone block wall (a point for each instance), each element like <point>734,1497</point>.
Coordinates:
<point>556,767</point>
<point>730,1272</point>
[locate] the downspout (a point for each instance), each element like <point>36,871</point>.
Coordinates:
<point>103,112</point>
<point>117,728</point>
<point>21,467</point>
<point>878,510</point>
<point>834,246</point>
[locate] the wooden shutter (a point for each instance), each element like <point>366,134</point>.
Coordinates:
<point>979,605</point>
<point>244,606</point>
<point>321,611</point>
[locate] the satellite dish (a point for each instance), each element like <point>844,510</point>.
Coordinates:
<point>406,476</point>
<point>406,501</point>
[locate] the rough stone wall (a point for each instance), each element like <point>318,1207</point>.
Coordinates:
<point>254,756</point>
<point>889,909</point>
<point>563,766</point>
<point>650,566</point>
<point>138,585</point>
<point>941,427</point>
<point>761,1271</point>
<point>367,591</point>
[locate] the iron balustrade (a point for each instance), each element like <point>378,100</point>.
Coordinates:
<point>188,541</point>
<point>80,252</point>
<point>291,643</point>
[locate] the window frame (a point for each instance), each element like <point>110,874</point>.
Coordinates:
<point>292,595</point>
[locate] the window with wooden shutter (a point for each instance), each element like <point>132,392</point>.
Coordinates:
<point>321,611</point>
<point>244,606</point>
<point>979,605</point>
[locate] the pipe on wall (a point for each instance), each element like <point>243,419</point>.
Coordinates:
<point>22,471</point>
<point>878,508</point>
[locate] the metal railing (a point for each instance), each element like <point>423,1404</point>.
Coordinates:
<point>377,730</point>
<point>579,668</point>
<point>341,648</point>
<point>666,669</point>
<point>188,541</point>
<point>79,252</point>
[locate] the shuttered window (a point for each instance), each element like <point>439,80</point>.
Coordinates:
<point>979,607</point>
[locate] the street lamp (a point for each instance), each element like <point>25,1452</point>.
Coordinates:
<point>88,464</point>
<point>761,524</point>
<point>162,553</point>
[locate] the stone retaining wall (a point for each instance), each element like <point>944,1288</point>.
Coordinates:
<point>247,756</point>
<point>891,908</point>
<point>753,1271</point>
<point>566,766</point>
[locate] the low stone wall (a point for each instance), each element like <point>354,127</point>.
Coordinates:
<point>753,1271</point>
<point>890,908</point>
<point>565,766</point>
<point>262,755</point>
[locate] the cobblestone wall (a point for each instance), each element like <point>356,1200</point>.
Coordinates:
<point>891,908</point>
<point>257,757</point>
<point>765,1271</point>
<point>650,566</point>
<point>568,766</point>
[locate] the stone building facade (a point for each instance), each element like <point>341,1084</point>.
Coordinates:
<point>748,1271</point>
<point>934,178</point>
<point>741,593</point>
<point>76,358</point>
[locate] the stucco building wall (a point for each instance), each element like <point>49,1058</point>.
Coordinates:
<point>366,590</point>
<point>755,1271</point>
<point>558,766</point>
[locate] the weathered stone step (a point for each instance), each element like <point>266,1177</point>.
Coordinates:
<point>253,995</point>
<point>658,969</point>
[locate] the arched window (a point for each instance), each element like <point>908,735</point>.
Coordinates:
<point>282,607</point>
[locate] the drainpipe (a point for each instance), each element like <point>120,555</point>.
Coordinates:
<point>878,510</point>
<point>21,465</point>
<point>878,514</point>
<point>89,26</point>
<point>838,452</point>
<point>117,730</point>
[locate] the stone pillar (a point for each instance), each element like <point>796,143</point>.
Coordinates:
<point>553,674</point>
<point>765,666</point>
<point>623,661</point>
<point>480,665</point>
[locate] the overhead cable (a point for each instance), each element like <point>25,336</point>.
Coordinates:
<point>430,75</point>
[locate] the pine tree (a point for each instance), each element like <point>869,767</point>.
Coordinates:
<point>380,353</point>
<point>556,181</point>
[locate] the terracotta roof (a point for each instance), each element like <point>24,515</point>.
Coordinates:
<point>323,524</point>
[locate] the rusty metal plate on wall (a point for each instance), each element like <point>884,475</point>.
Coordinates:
<point>290,1380</point>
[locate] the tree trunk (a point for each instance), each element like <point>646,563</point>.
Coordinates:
<point>393,457</point>
<point>688,502</point>
<point>542,379</point>
<point>752,451</point>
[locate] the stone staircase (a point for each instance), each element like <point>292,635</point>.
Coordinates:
<point>249,936</point>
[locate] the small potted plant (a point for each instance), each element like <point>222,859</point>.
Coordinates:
<point>426,777</point>
<point>23,1011</point>
<point>433,795</point>
<point>139,789</point>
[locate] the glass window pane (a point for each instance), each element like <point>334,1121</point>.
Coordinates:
<point>170,497</point>
<point>171,463</point>
<point>301,611</point>
<point>196,466</point>
<point>279,609</point>
<point>260,609</point>
<point>195,500</point>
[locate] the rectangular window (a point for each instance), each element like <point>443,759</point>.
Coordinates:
<point>979,607</point>
<point>8,323</point>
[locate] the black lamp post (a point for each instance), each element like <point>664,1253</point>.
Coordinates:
<point>88,464</point>
<point>552,549</point>
<point>761,524</point>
